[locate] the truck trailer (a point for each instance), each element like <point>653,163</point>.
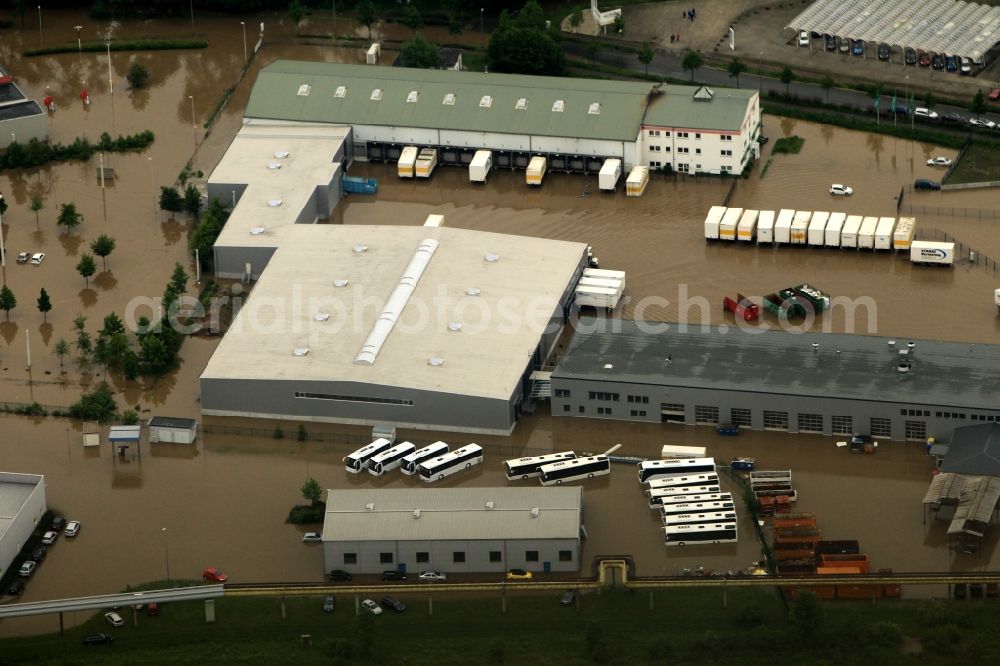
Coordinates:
<point>427,160</point>
<point>800,227</point>
<point>817,228</point>
<point>866,234</point>
<point>783,226</point>
<point>747,226</point>
<point>884,233</point>
<point>742,307</point>
<point>712,222</point>
<point>636,182</point>
<point>765,226</point>
<point>407,160</point>
<point>833,228</point>
<point>536,170</point>
<point>611,172</point>
<point>480,166</point>
<point>727,227</point>
<point>903,236</point>
<point>932,252</point>
<point>849,236</point>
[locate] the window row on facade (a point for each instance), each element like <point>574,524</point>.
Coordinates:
<point>685,135</point>
<point>457,557</point>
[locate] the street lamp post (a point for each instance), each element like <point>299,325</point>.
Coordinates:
<point>166,552</point>
<point>193,124</point>
<point>152,181</point>
<point>111,82</point>
<point>3,252</point>
<point>79,44</point>
<point>192,14</point>
<point>39,25</point>
<point>244,26</point>
<point>481,24</point>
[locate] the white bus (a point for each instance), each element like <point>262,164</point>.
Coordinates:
<point>358,461</point>
<point>558,473</point>
<point>682,535</point>
<point>436,469</point>
<point>656,497</point>
<point>523,468</point>
<point>703,497</point>
<point>680,480</point>
<point>650,469</point>
<point>410,462</point>
<point>705,517</point>
<point>676,508</point>
<point>671,451</point>
<point>389,459</point>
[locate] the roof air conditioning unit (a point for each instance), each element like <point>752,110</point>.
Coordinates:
<point>490,505</point>
<point>416,513</point>
<point>370,506</point>
<point>449,99</point>
<point>304,90</point>
<point>340,92</point>
<point>558,106</point>
<point>534,512</point>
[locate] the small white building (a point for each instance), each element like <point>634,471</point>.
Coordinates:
<point>22,505</point>
<point>164,429</point>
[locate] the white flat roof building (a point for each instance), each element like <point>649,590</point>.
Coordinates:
<point>22,505</point>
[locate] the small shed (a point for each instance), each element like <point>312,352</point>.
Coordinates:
<point>172,429</point>
<point>122,438</point>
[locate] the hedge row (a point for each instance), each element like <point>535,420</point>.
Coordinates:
<point>36,153</point>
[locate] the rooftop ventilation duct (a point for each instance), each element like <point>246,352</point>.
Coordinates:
<point>521,104</point>
<point>595,109</point>
<point>370,506</point>
<point>322,316</point>
<point>300,351</point>
<point>485,102</point>
<point>473,291</point>
<point>256,231</point>
<point>435,361</point>
<point>455,326</point>
<point>341,283</point>
<point>534,512</point>
<point>340,92</point>
<point>412,97</point>
<point>492,257</point>
<point>281,154</point>
<point>274,203</point>
<point>490,505</point>
<point>376,94</point>
<point>558,106</point>
<point>449,99</point>
<point>416,513</point>
<point>360,249</point>
<point>304,90</point>
<point>274,165</point>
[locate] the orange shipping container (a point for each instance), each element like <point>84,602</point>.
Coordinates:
<point>836,560</point>
<point>795,520</point>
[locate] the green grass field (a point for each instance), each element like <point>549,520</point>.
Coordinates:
<point>978,164</point>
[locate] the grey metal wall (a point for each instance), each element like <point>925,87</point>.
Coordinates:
<point>441,555</point>
<point>230,261</point>
<point>24,129</point>
<point>861,410</point>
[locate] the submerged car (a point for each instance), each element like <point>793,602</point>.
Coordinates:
<point>924,59</point>
<point>328,603</point>
<point>214,575</point>
<point>910,57</point>
<point>432,575</point>
<point>951,63</point>
<point>841,190</point>
<point>884,51</point>
<point>952,117</point>
<point>114,619</point>
<point>518,574</point>
<point>22,257</point>
<point>312,537</point>
<point>37,258</point>
<point>844,45</point>
<point>937,62</point>
<point>858,47</point>
<point>923,112</point>
<point>803,38</point>
<point>831,43</point>
<point>925,184</point>
<point>72,528</point>
<point>371,607</point>
<point>939,161</point>
<point>27,568</point>
<point>50,537</point>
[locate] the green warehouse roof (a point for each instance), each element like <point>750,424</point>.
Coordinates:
<point>471,101</point>
<point>703,108</point>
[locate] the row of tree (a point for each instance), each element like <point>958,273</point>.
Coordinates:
<point>36,153</point>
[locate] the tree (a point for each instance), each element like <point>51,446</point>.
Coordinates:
<point>978,105</point>
<point>44,304</point>
<point>531,16</point>
<point>130,364</point>
<point>366,15</point>
<point>137,75</point>
<point>3,204</point>
<point>60,350</point>
<point>736,67</point>
<point>692,61</point>
<point>807,613</point>
<point>192,201</point>
<point>522,45</point>
<point>576,19</point>
<point>98,405</point>
<point>827,83</point>
<point>296,11</point>
<point>84,344</point>
<point>37,204</point>
<point>179,279</point>
<point>86,268</point>
<point>7,300</point>
<point>929,100</point>
<point>213,219</point>
<point>69,219</point>
<point>787,76</point>
<point>170,200</point>
<point>419,53</point>
<point>619,24</point>
<point>593,49</point>
<point>102,246</point>
<point>312,491</point>
<point>412,18</point>
<point>646,54</point>
<point>153,355</point>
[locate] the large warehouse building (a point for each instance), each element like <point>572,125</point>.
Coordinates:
<point>22,505</point>
<point>21,119</point>
<point>576,123</point>
<point>475,530</point>
<point>831,384</point>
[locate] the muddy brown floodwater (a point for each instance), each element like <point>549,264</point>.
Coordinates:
<point>223,501</point>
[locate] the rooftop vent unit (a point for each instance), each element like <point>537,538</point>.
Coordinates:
<point>609,366</point>
<point>340,92</point>
<point>304,90</point>
<point>492,258</point>
<point>449,99</point>
<point>522,104</point>
<point>274,165</point>
<point>534,512</point>
<point>300,351</point>
<point>595,109</point>
<point>903,366</point>
<point>256,231</point>
<point>370,506</point>
<point>815,347</point>
<point>376,94</point>
<point>558,106</point>
<point>360,249</point>
<point>485,102</point>
<point>704,94</point>
<point>412,97</point>
<point>281,154</point>
<point>341,283</point>
<point>455,326</point>
<point>435,361</point>
<point>490,505</point>
<point>892,345</point>
<point>274,203</point>
<point>473,291</point>
<point>416,513</point>
<point>322,316</point>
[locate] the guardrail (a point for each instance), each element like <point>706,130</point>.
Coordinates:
<point>100,602</point>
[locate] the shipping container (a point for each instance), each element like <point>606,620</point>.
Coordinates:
<point>782,308</point>
<point>810,535</point>
<point>866,234</point>
<point>840,547</point>
<point>883,233</point>
<point>597,297</point>
<point>820,300</point>
<point>407,160</point>
<point>480,166</point>
<point>605,273</point>
<point>795,520</point>
<point>371,57</point>
<point>742,307</point>
<point>712,222</point>
<point>817,228</point>
<point>637,180</point>
<point>849,236</point>
<point>783,226</point>
<point>536,170</point>
<point>427,159</point>
<point>833,227</point>
<point>932,252</point>
<point>611,172</point>
<point>853,560</point>
<point>747,226</point>
<point>727,226</point>
<point>903,236</point>
<point>765,226</point>
<point>800,227</point>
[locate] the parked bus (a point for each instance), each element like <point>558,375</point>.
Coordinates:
<point>676,508</point>
<point>436,469</point>
<point>558,473</point>
<point>671,451</point>
<point>702,497</point>
<point>389,459</point>
<point>680,480</point>
<point>410,462</point>
<point>703,517</point>
<point>683,535</point>
<point>653,468</point>
<point>523,468</point>
<point>358,461</point>
<point>656,497</point>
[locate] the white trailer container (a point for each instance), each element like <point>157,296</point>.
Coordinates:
<point>800,227</point>
<point>712,222</point>
<point>883,233</point>
<point>673,451</point>
<point>783,226</point>
<point>932,252</point>
<point>817,228</point>
<point>536,170</point>
<point>996,302</point>
<point>427,159</point>
<point>727,227</point>
<point>833,227</point>
<point>765,226</point>
<point>747,226</point>
<point>608,283</point>
<point>610,172</point>
<point>637,180</point>
<point>373,53</point>
<point>407,160</point>
<point>605,274</point>
<point>849,236</point>
<point>866,234</point>
<point>597,297</point>
<point>903,236</point>
<point>480,166</point>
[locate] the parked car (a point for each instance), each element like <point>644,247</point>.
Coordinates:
<point>114,619</point>
<point>72,528</point>
<point>844,45</point>
<point>966,67</point>
<point>518,574</point>
<point>924,59</point>
<point>910,57</point>
<point>214,575</point>
<point>97,639</point>
<point>994,94</point>
<point>952,117</point>
<point>803,38</point>
<point>153,609</point>
<point>339,575</point>
<point>939,161</point>
<point>58,522</point>
<point>982,122</point>
<point>16,588</point>
<point>22,257</point>
<point>38,554</point>
<point>393,575</point>
<point>831,43</point>
<point>27,568</point>
<point>841,190</point>
<point>37,258</point>
<point>925,184</point>
<point>884,51</point>
<point>393,604</point>
<point>937,62</point>
<point>951,63</point>
<point>727,429</point>
<point>923,112</point>
<point>432,575</point>
<point>371,607</point>
<point>328,603</point>
<point>568,598</point>
<point>50,537</point>
<point>858,47</point>
<point>312,537</point>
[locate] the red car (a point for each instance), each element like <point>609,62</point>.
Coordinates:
<point>214,575</point>
<point>994,94</point>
